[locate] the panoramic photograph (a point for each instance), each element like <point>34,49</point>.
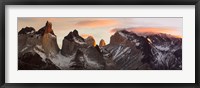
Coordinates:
<point>100,43</point>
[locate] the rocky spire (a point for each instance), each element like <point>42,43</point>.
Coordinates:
<point>75,32</point>
<point>48,27</point>
<point>49,42</point>
<point>102,43</point>
<point>73,35</point>
<point>49,24</point>
<point>90,40</point>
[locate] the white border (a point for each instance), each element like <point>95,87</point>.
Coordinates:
<point>187,75</point>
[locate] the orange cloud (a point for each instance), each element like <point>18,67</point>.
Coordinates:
<point>96,23</point>
<point>154,30</point>
<point>151,30</point>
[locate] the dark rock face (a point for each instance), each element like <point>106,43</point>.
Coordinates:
<point>168,40</point>
<point>163,49</point>
<point>75,32</point>
<point>146,49</point>
<point>78,62</point>
<point>44,37</point>
<point>69,48</point>
<point>87,60</point>
<point>69,36</point>
<point>42,44</point>
<point>33,61</point>
<point>73,35</point>
<point>41,31</point>
<point>27,30</point>
<point>93,56</point>
<point>127,58</point>
<point>27,41</point>
<point>159,51</point>
<point>178,53</point>
<point>98,49</point>
<point>130,51</point>
<point>24,35</point>
<point>73,44</point>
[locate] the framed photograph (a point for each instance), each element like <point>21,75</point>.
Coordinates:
<point>106,43</point>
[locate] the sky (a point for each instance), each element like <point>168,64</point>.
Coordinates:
<point>104,27</point>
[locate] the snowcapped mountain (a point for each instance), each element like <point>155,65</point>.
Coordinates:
<point>155,51</point>
<point>83,52</point>
<point>38,50</point>
<point>129,51</point>
<point>166,50</point>
<point>40,44</point>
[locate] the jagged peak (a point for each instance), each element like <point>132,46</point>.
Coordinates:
<point>75,32</point>
<point>27,30</point>
<point>129,33</point>
<point>164,35</point>
<point>126,34</point>
<point>46,29</point>
<point>90,40</point>
<point>48,24</point>
<point>69,36</point>
<point>102,43</point>
<point>74,35</point>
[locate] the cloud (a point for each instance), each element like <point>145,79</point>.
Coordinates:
<point>149,29</point>
<point>96,23</point>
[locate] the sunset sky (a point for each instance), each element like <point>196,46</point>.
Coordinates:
<point>103,28</point>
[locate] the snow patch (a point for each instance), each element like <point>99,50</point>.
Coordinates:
<point>172,43</point>
<point>41,54</point>
<point>134,40</point>
<point>162,48</point>
<point>122,34</point>
<point>40,47</point>
<point>92,63</point>
<point>30,32</point>
<point>77,41</point>
<point>24,49</point>
<point>53,36</point>
<point>120,51</point>
<point>137,44</point>
<point>62,61</point>
<point>37,36</point>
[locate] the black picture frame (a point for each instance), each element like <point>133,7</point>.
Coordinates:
<point>99,2</point>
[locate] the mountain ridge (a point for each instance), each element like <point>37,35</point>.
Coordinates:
<point>126,51</point>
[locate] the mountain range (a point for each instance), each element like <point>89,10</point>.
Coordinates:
<point>38,50</point>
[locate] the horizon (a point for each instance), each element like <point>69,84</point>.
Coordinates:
<point>103,28</point>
